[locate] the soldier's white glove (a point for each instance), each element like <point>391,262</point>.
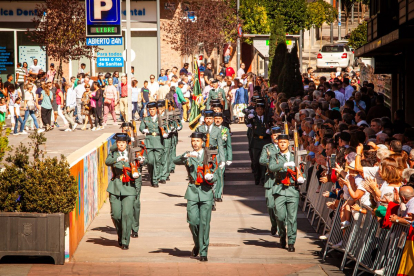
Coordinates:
<point>228,163</point>
<point>194,154</point>
<point>165,135</point>
<point>267,131</point>
<point>249,125</point>
<point>179,128</point>
<point>135,175</point>
<point>122,158</point>
<point>132,139</point>
<point>222,164</point>
<point>141,159</point>
<point>145,131</point>
<point>289,164</point>
<point>250,116</point>
<point>251,111</point>
<point>301,180</point>
<point>172,129</point>
<point>209,177</point>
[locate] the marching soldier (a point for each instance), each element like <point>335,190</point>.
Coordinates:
<point>215,141</point>
<point>285,191</point>
<point>269,150</point>
<point>122,190</point>
<point>128,128</point>
<point>250,110</point>
<point>199,193</point>
<point>218,108</point>
<point>261,137</point>
<point>170,126</point>
<point>216,93</point>
<point>228,153</point>
<point>149,126</point>
<point>174,141</point>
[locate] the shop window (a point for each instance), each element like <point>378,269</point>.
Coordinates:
<point>6,54</point>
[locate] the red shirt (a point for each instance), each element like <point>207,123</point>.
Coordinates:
<point>230,72</point>
<point>124,90</point>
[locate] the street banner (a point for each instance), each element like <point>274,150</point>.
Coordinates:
<point>198,102</point>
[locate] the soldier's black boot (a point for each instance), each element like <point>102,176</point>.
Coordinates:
<point>134,234</point>
<point>291,248</point>
<point>203,259</point>
<point>283,242</point>
<point>162,181</point>
<point>194,252</point>
<point>273,230</point>
<point>125,247</point>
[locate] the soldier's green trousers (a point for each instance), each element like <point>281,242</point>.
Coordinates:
<point>154,164</point>
<point>219,184</point>
<point>137,207</point>
<point>122,214</point>
<point>286,208</point>
<point>166,159</point>
<point>174,141</point>
<point>199,217</point>
<point>270,202</point>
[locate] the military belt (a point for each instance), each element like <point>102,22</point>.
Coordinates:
<point>259,136</point>
<point>152,134</point>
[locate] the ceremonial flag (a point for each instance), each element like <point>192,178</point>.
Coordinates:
<point>407,259</point>
<point>198,103</point>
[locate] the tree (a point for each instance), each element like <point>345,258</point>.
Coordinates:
<point>277,63</point>
<point>61,31</point>
<point>215,23</point>
<point>277,35</point>
<point>4,140</point>
<point>255,19</point>
<point>293,13</point>
<point>290,79</point>
<point>297,79</point>
<point>358,36</point>
<point>348,5</point>
<point>320,12</point>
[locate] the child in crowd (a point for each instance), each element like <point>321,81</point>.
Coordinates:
<point>3,109</point>
<point>17,118</point>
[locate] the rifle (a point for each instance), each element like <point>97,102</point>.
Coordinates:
<point>210,158</point>
<point>286,126</point>
<point>162,120</point>
<point>220,97</point>
<point>137,147</point>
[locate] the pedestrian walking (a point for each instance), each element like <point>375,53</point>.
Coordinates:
<point>111,98</point>
<point>46,106</point>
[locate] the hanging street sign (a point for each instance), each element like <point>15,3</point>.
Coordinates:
<point>103,18</point>
<point>104,41</point>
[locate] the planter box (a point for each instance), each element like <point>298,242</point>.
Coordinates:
<point>32,234</point>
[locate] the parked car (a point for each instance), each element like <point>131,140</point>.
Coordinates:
<point>334,56</point>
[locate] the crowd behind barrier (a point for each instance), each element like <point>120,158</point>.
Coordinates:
<point>364,243</point>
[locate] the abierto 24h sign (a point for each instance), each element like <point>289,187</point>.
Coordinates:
<point>103,18</point>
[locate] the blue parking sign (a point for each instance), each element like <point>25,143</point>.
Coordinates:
<point>103,18</point>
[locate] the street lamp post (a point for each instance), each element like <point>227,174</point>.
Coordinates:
<point>128,59</point>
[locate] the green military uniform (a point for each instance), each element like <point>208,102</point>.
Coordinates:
<point>155,147</point>
<point>215,141</point>
<point>228,155</point>
<point>259,139</point>
<point>166,157</point>
<point>268,151</point>
<point>249,133</point>
<point>137,201</point>
<point>286,198</point>
<point>199,202</point>
<point>122,197</point>
<point>215,94</point>
<point>174,143</point>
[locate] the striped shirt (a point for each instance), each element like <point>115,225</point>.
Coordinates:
<point>21,73</point>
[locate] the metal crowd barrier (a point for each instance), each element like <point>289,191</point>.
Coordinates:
<point>363,242</point>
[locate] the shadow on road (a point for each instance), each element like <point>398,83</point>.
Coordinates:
<point>262,243</point>
<point>104,241</point>
<point>106,229</point>
<point>254,230</point>
<point>173,252</point>
<point>171,195</point>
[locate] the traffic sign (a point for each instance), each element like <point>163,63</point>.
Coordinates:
<point>103,18</point>
<point>104,41</point>
<point>110,62</point>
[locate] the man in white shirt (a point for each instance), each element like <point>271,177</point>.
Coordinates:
<point>34,69</point>
<point>174,81</point>
<point>164,89</point>
<point>360,117</point>
<point>338,95</point>
<point>70,107</point>
<point>241,71</point>
<point>153,87</point>
<point>348,89</point>
<point>79,90</point>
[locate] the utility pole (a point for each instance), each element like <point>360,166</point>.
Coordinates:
<point>332,28</point>
<point>238,38</point>
<point>129,59</point>
<point>158,38</point>
<point>300,49</point>
<point>339,19</point>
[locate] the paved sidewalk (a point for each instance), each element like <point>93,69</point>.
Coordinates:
<point>240,240</point>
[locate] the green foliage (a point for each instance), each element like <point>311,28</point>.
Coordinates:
<point>42,186</point>
<point>358,36</point>
<point>293,13</point>
<point>290,80</point>
<point>4,140</point>
<point>277,35</point>
<point>316,14</point>
<point>255,20</point>
<point>277,63</point>
<point>51,188</point>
